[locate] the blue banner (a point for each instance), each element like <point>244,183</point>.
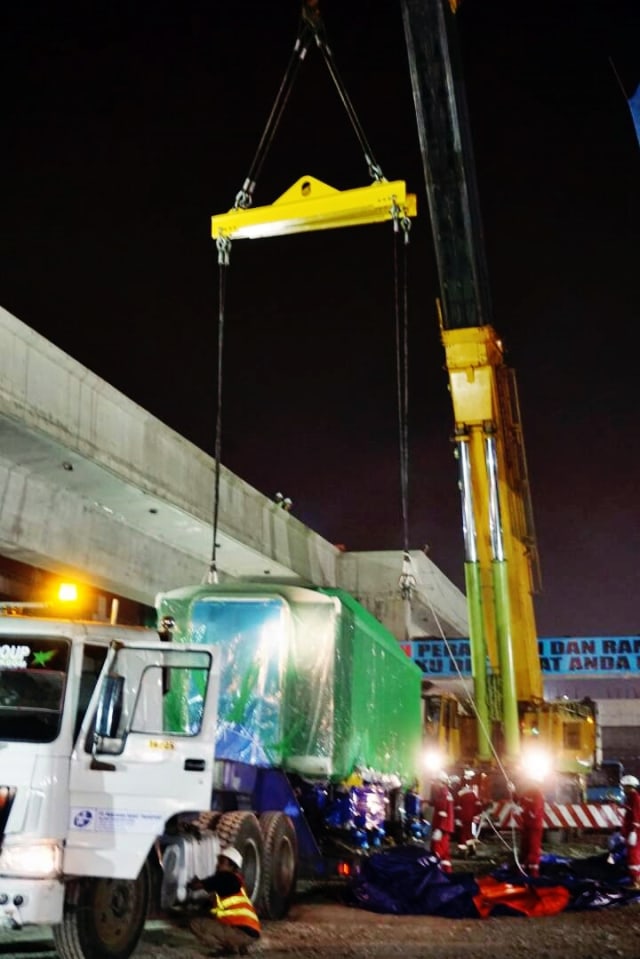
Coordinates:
<point>634,106</point>
<point>561,656</point>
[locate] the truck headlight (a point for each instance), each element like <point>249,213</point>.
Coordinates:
<point>35,860</point>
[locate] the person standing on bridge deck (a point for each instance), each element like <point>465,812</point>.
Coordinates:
<point>232,925</point>
<point>531,802</point>
<point>631,826</point>
<point>443,821</point>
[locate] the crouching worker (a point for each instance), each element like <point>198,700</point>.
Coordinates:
<point>232,924</point>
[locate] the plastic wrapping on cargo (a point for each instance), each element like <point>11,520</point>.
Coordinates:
<point>310,681</point>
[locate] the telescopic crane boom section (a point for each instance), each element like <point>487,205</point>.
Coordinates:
<point>449,171</point>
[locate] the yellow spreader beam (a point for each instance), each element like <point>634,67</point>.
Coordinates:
<point>311,204</point>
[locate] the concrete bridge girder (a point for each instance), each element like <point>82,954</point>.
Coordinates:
<point>94,485</point>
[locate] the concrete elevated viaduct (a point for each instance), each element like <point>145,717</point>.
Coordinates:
<point>94,486</point>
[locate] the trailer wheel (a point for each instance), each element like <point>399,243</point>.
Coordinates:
<point>280,865</point>
<point>103,918</point>
<point>241,829</point>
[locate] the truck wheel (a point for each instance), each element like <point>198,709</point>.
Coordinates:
<point>241,829</point>
<point>103,918</point>
<point>280,866</point>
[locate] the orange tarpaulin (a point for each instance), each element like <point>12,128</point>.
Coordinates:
<point>529,900</point>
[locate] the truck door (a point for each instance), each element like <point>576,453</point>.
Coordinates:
<point>138,760</point>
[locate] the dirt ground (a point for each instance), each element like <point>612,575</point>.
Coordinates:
<point>326,930</point>
<point>317,930</point>
<point>319,926</point>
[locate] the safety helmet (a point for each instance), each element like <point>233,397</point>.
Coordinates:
<point>454,780</point>
<point>630,781</point>
<point>469,774</point>
<point>443,776</point>
<point>233,854</point>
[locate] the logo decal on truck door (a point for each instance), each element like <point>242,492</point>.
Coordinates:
<point>116,820</point>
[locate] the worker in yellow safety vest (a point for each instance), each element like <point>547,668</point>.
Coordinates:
<point>232,924</point>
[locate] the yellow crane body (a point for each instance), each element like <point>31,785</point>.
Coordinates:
<point>480,384</point>
<point>486,413</point>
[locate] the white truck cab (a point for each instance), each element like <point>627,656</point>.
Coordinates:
<point>94,763</point>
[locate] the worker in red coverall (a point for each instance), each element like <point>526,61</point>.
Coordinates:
<point>442,823</point>
<point>631,826</point>
<point>467,809</point>
<point>531,802</point>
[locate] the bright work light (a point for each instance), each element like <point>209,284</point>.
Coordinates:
<point>67,592</point>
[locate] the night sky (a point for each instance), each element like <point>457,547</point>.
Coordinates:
<point>127,124</point>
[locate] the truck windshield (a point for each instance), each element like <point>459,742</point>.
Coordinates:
<point>32,682</point>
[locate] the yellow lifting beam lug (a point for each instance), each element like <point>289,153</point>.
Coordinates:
<point>311,204</point>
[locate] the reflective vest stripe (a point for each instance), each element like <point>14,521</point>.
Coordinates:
<point>236,910</point>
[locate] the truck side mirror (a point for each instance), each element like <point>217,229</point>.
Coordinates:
<point>107,721</point>
<point>110,707</point>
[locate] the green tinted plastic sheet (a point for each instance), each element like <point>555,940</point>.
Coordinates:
<point>310,681</point>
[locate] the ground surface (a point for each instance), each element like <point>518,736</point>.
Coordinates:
<point>320,926</point>
<point>320,931</point>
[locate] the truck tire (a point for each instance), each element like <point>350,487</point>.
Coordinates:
<point>103,918</point>
<point>280,865</point>
<point>241,829</point>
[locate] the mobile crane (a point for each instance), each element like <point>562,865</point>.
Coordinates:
<point>514,723</point>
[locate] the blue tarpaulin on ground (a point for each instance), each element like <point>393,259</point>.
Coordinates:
<point>407,880</point>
